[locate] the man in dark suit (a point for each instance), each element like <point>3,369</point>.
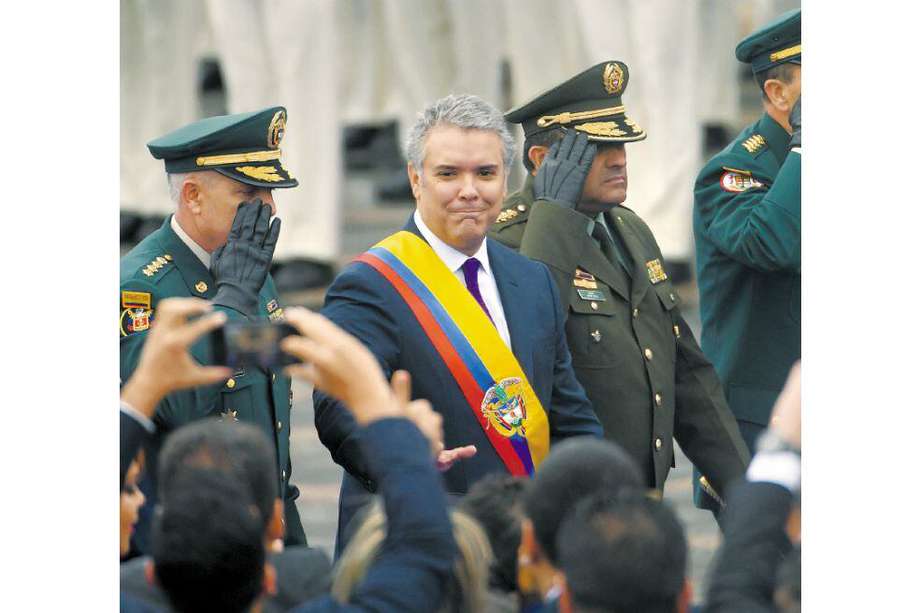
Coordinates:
<point>479,327</point>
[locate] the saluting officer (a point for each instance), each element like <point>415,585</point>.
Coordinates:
<point>631,349</point>
<point>218,245</point>
<point>747,226</point>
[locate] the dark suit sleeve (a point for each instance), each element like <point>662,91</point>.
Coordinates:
<point>132,435</point>
<point>416,559</point>
<point>570,411</point>
<point>744,573</point>
<point>355,303</point>
<point>759,227</point>
<point>703,424</point>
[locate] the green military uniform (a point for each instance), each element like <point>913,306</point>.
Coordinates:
<point>747,227</point>
<point>164,266</point>
<point>631,348</point>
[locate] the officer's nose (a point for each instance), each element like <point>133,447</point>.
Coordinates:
<point>614,155</point>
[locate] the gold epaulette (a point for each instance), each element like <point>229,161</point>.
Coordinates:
<point>509,214</point>
<point>754,143</point>
<point>155,265</point>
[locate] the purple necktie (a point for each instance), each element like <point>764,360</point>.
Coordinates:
<point>470,274</point>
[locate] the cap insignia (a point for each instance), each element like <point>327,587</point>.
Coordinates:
<point>269,174</point>
<point>601,128</point>
<point>276,129</point>
<point>613,78</point>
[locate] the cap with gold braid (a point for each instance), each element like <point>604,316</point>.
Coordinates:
<point>778,42</point>
<point>243,147</point>
<point>590,102</point>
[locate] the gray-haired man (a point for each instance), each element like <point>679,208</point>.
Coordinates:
<point>479,327</point>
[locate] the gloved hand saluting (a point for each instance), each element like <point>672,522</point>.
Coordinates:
<point>241,265</point>
<point>562,174</point>
<point>795,121</point>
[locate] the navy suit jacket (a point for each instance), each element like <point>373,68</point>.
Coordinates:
<point>365,304</point>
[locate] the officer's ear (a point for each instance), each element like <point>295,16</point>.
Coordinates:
<point>779,94</point>
<point>415,179</point>
<point>536,154</point>
<point>191,194</point>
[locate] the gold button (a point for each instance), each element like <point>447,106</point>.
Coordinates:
<point>201,287</point>
<point>648,353</point>
<point>619,219</point>
<point>168,257</point>
<point>284,473</point>
<point>657,444</point>
<point>593,306</point>
<point>671,296</point>
<point>273,377</point>
<point>231,383</point>
<point>635,313</point>
<point>658,399</point>
<point>279,426</point>
<point>521,208</point>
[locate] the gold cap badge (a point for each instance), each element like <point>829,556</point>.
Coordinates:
<point>276,129</point>
<point>613,78</point>
<point>201,287</point>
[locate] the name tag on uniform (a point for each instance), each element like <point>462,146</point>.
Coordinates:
<point>591,294</point>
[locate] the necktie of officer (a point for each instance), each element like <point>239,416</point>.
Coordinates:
<point>602,235</point>
<point>470,275</point>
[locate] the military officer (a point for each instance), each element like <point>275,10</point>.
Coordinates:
<point>218,245</point>
<point>747,227</point>
<point>631,349</point>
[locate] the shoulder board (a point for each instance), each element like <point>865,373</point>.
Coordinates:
<point>514,213</point>
<point>754,144</point>
<point>156,265</point>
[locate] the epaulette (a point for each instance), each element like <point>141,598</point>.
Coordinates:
<point>511,213</point>
<point>156,265</point>
<point>754,143</point>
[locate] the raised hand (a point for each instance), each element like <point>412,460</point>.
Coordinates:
<point>562,174</point>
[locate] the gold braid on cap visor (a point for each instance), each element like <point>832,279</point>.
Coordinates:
<point>238,158</point>
<point>567,117</point>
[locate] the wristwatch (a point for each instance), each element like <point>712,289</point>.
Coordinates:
<point>770,442</point>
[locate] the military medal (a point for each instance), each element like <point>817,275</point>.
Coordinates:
<point>656,272</point>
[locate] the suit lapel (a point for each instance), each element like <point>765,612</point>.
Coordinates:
<point>640,280</point>
<point>190,267</point>
<point>515,300</point>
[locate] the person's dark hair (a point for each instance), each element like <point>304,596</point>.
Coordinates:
<point>208,547</point>
<point>238,449</point>
<point>545,138</point>
<point>625,553</point>
<point>787,595</point>
<point>783,72</point>
<point>574,469</point>
<point>496,502</point>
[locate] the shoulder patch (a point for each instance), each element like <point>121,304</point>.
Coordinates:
<point>511,213</point>
<point>754,143</point>
<point>737,181</point>
<point>134,319</point>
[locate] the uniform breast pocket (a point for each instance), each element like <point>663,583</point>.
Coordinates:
<point>594,324</point>
<point>237,398</point>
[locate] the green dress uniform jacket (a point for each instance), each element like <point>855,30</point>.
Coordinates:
<point>631,349</point>
<point>747,226</point>
<point>162,266</point>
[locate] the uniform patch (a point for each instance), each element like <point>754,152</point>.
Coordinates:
<point>755,143</point>
<point>276,315</point>
<point>139,300</point>
<point>584,279</point>
<point>591,294</point>
<point>656,272</point>
<point>738,181</point>
<point>271,305</point>
<point>134,320</point>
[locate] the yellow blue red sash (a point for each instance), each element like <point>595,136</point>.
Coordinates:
<point>484,368</point>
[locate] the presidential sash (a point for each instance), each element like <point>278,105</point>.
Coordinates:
<point>485,369</point>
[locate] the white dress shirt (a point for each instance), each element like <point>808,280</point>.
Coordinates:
<point>197,249</point>
<point>454,260</point>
